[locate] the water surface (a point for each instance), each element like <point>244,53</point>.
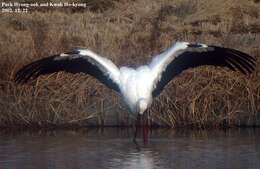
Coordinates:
<point>114,149</point>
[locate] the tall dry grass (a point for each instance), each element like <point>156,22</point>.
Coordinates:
<point>130,33</point>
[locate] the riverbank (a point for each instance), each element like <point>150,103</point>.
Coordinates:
<point>130,33</point>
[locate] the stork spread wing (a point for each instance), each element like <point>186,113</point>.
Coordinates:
<point>79,60</point>
<point>184,55</point>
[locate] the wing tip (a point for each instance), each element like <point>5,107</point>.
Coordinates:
<point>237,60</point>
<point>30,71</point>
<point>21,77</point>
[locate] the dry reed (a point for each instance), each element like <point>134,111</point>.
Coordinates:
<point>129,33</point>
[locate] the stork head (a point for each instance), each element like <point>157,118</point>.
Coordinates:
<point>142,105</point>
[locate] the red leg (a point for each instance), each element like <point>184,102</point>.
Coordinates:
<point>145,130</point>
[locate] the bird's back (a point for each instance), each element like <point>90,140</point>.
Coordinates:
<point>135,84</point>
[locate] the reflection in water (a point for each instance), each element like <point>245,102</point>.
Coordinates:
<point>114,149</point>
<point>143,159</point>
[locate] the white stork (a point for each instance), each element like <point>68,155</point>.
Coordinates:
<point>139,86</point>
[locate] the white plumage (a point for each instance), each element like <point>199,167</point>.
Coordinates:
<point>139,86</point>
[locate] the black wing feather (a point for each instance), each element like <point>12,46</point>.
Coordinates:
<point>213,55</point>
<point>72,63</point>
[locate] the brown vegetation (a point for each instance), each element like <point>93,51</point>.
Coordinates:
<point>130,33</point>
